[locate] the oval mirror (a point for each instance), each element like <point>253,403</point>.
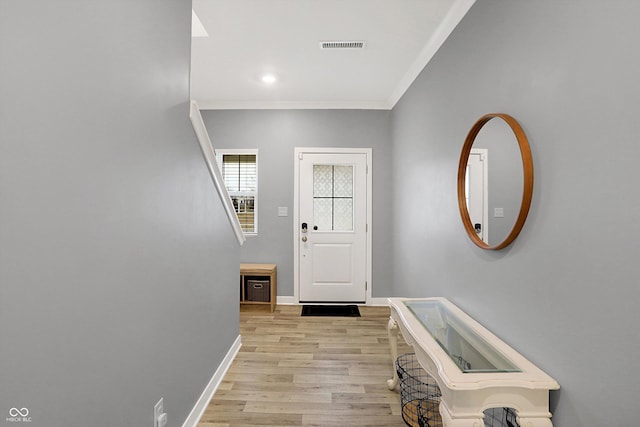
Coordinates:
<point>495,181</point>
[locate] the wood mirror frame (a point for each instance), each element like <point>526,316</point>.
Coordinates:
<point>527,169</point>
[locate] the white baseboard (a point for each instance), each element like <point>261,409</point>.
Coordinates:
<point>286,300</point>
<point>198,410</point>
<point>290,300</point>
<point>379,302</point>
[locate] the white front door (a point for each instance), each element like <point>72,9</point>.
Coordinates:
<point>332,227</point>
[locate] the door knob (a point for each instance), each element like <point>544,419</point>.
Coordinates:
<point>304,238</point>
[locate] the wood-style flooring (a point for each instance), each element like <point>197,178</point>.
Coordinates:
<point>309,371</point>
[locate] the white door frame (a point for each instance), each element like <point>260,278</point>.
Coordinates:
<point>484,156</point>
<point>298,151</point>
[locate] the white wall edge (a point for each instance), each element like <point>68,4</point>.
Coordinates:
<point>208,153</point>
<point>201,405</point>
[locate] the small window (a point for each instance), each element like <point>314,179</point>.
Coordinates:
<point>240,173</point>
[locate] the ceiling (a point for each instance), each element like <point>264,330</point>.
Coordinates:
<point>247,39</point>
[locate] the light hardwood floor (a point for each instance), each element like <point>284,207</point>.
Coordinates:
<point>309,371</point>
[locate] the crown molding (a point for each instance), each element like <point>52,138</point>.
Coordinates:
<point>446,27</point>
<point>293,105</point>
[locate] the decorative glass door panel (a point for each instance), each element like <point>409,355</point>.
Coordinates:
<point>333,197</point>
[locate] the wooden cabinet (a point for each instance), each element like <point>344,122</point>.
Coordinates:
<point>258,284</point>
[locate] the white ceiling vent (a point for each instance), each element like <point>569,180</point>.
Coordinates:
<point>343,44</point>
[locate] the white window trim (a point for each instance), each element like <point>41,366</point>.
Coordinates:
<point>220,152</point>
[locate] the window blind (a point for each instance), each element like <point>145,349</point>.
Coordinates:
<point>239,172</point>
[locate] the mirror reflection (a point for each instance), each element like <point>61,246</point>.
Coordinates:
<point>493,182</point>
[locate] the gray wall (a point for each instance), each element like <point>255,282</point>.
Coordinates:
<point>118,269</point>
<point>275,133</point>
<point>565,293</point>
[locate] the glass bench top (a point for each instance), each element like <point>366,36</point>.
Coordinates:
<point>468,350</point>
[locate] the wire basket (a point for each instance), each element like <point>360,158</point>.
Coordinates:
<point>500,417</point>
<point>420,398</point>
<point>419,393</point>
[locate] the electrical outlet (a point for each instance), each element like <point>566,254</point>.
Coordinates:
<point>159,416</point>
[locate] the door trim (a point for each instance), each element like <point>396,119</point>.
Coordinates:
<point>298,151</point>
<point>484,155</point>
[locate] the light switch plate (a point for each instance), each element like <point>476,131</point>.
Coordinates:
<point>283,211</point>
<point>498,212</point>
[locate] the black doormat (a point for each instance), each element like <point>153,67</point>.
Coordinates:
<point>331,310</point>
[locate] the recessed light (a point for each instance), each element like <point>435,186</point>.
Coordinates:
<point>269,79</point>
